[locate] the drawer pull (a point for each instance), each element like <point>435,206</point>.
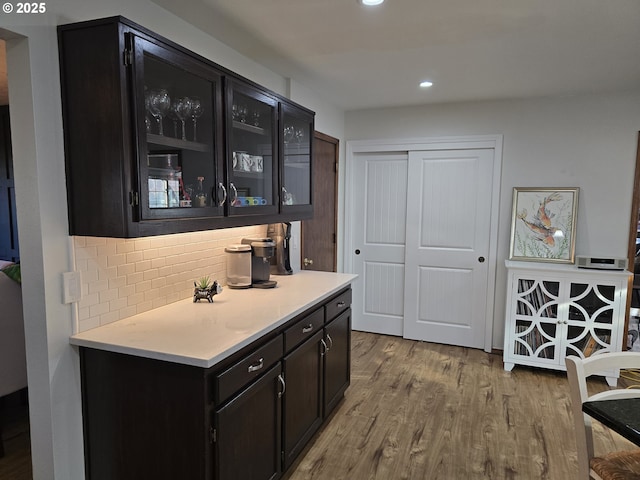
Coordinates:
<point>308,328</point>
<point>256,366</point>
<point>340,304</point>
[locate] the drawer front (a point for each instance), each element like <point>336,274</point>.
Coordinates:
<point>338,305</point>
<point>303,329</point>
<point>247,369</point>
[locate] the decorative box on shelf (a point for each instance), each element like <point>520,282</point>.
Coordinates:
<point>554,310</point>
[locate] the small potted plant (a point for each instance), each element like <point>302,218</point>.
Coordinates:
<point>205,289</point>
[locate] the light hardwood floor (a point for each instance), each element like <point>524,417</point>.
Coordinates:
<point>423,411</point>
<point>418,410</point>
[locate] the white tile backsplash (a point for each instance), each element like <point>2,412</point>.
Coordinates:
<point>124,277</point>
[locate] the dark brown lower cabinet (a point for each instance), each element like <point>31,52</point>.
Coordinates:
<point>246,418</point>
<point>303,373</point>
<point>247,431</point>
<point>337,360</point>
<point>143,418</point>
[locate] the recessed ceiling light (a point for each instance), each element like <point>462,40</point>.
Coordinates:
<point>426,84</point>
<point>370,2</point>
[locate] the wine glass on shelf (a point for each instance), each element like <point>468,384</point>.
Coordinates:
<point>196,112</point>
<point>242,113</point>
<point>289,133</point>
<point>147,101</point>
<point>159,105</point>
<point>174,118</point>
<point>182,107</point>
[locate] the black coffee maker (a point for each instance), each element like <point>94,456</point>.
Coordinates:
<point>280,233</point>
<point>262,249</point>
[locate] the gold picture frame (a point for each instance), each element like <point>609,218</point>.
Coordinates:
<point>543,224</point>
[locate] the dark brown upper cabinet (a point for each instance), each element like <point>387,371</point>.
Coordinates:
<point>252,139</point>
<point>297,141</point>
<point>160,140</point>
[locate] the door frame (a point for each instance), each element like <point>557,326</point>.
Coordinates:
<point>494,142</point>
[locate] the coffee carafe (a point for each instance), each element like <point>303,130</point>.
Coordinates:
<point>262,249</point>
<point>280,233</point>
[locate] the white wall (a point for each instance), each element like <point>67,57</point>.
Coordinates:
<point>588,142</point>
<point>36,117</point>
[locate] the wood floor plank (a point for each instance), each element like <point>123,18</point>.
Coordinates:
<point>417,410</point>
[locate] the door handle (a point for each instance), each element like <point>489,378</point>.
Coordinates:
<point>330,346</point>
<point>224,194</point>
<point>307,261</point>
<point>283,384</point>
<point>235,193</point>
<point>481,259</point>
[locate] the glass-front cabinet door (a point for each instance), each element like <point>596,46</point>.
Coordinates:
<point>297,142</point>
<point>252,150</point>
<point>179,106</point>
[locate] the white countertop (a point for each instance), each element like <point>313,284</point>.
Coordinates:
<point>202,334</point>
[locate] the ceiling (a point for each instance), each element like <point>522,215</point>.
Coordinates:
<point>362,57</point>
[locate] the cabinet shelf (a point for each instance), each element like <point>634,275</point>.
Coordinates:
<point>177,143</point>
<point>245,174</point>
<point>249,128</point>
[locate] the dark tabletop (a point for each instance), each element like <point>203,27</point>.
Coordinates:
<point>622,416</point>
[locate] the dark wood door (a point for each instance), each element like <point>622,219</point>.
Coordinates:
<point>248,432</point>
<point>337,361</point>
<point>302,404</point>
<point>319,233</point>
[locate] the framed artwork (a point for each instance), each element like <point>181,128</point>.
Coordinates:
<point>544,224</point>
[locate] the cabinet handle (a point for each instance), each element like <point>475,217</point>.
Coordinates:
<point>308,328</point>
<point>235,193</point>
<point>254,367</point>
<point>284,386</point>
<point>325,349</point>
<point>224,194</point>
<point>340,304</point>
<point>330,342</point>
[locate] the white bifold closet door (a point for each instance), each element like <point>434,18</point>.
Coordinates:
<point>421,232</point>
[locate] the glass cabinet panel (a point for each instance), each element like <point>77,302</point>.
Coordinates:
<point>297,138</point>
<point>253,171</point>
<point>179,172</point>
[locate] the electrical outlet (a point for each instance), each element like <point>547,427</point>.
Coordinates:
<point>71,287</point>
